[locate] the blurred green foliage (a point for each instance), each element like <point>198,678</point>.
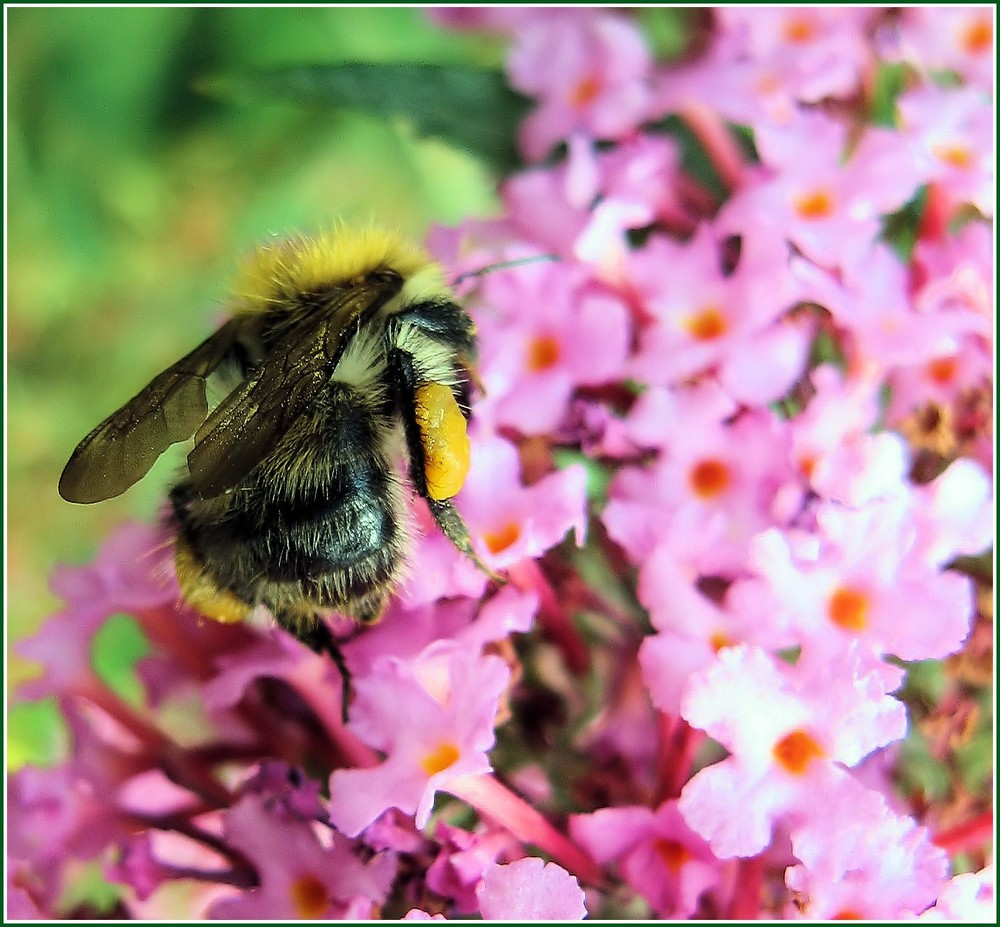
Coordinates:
<point>132,196</point>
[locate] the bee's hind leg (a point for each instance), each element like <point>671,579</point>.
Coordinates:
<point>317,637</point>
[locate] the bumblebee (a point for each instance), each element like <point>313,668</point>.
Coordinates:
<point>343,354</point>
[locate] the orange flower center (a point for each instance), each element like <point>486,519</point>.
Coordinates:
<point>816,205</point>
<point>440,758</point>
<point>942,370</point>
<point>846,915</point>
<point>800,31</point>
<point>954,155</point>
<point>706,325</point>
<point>978,38</point>
<point>709,478</point>
<point>807,465</point>
<point>673,854</point>
<point>795,751</point>
<point>543,353</point>
<point>848,609</point>
<point>719,640</point>
<point>309,897</point>
<point>501,539</point>
<point>585,92</point>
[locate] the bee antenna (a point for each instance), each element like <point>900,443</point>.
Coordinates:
<point>501,265</point>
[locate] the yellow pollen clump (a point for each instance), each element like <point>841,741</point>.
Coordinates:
<point>309,897</point>
<point>706,325</point>
<point>816,205</point>
<point>673,854</point>
<point>709,478</point>
<point>502,538</point>
<point>795,751</point>
<point>848,609</point>
<point>440,758</point>
<point>978,37</point>
<point>543,353</point>
<point>445,440</point>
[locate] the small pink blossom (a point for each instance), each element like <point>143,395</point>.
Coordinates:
<point>656,852</point>
<point>530,889</point>
<point>956,39</point>
<point>588,73</point>
<point>301,878</point>
<point>705,321</point>
<point>715,489</point>
<point>445,732</point>
<point>789,734</point>
<point>530,364</point>
<point>510,521</point>
<point>854,583</point>
<point>812,53</point>
<point>828,208</point>
<point>881,866</point>
<point>458,869</point>
<point>950,137</point>
<point>969,897</point>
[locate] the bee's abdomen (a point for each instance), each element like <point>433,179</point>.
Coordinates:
<point>320,524</point>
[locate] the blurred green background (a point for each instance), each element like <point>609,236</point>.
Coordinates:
<point>131,198</point>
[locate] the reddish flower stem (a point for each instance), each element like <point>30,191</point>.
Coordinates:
<point>495,801</point>
<point>718,142</point>
<point>527,575</point>
<point>679,742</point>
<point>745,902</point>
<point>173,759</point>
<point>937,211</point>
<point>968,836</point>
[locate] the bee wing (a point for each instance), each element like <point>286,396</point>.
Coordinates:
<point>120,451</point>
<point>249,423</point>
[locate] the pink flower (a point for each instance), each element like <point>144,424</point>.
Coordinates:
<point>950,136</point>
<point>575,334</point>
<point>705,321</point>
<point>951,38</point>
<point>657,853</point>
<point>458,869</point>
<point>513,522</point>
<point>693,628</point>
<point>717,487</point>
<point>870,301</point>
<point>436,569</point>
<point>811,53</point>
<point>875,865</point>
<point>589,73</point>
<point>406,634</point>
<point>530,889</point>
<point>451,704</point>
<point>300,878</point>
<point>132,573</point>
<point>969,897</point>
<point>830,210</point>
<point>863,573</point>
<point>841,410</point>
<point>789,733</point>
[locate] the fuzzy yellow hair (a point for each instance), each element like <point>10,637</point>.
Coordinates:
<point>338,256</point>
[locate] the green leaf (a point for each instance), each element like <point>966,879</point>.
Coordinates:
<point>889,83</point>
<point>471,108</point>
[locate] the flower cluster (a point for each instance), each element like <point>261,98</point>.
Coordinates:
<point>733,456</point>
